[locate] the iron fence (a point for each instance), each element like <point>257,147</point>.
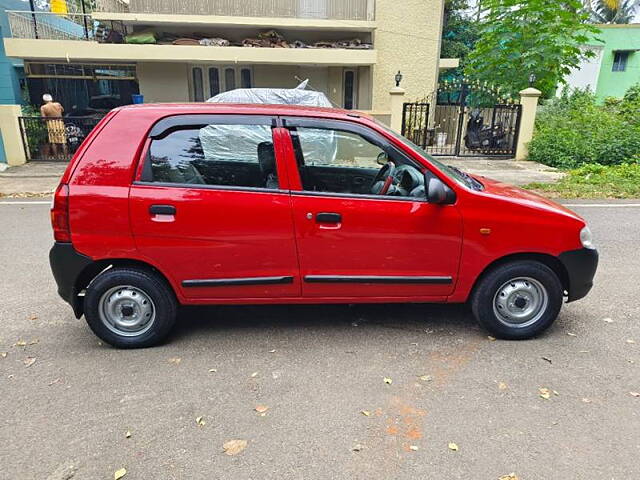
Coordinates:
<point>54,138</point>
<point>111,6</point>
<point>51,26</point>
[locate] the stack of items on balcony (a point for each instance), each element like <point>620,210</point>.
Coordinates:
<point>268,39</point>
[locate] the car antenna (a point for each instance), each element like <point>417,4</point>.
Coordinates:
<point>298,79</point>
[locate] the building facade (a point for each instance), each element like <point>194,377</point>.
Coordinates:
<point>177,51</point>
<point>616,64</point>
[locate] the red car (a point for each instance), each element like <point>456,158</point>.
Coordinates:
<point>167,205</point>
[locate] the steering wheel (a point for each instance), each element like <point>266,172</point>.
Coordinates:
<point>385,174</point>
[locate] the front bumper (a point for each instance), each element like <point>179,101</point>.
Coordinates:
<point>581,266</point>
<point>67,265</point>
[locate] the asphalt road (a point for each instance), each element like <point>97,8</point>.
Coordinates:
<point>317,368</point>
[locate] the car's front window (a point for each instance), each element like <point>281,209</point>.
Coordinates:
<point>451,172</point>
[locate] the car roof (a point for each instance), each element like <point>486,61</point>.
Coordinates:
<point>245,109</point>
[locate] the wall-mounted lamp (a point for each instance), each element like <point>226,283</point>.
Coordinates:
<point>398,78</point>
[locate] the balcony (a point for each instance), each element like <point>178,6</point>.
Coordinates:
<point>353,10</point>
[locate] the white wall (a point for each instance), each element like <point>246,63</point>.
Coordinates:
<point>586,75</point>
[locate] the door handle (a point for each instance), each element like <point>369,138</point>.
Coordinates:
<point>328,218</point>
<point>162,210</point>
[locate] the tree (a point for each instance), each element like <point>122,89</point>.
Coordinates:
<point>611,11</point>
<point>523,37</point>
<point>459,34</point>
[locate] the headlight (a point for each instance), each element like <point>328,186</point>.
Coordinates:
<point>587,238</point>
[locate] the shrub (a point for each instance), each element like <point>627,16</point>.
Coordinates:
<point>573,130</point>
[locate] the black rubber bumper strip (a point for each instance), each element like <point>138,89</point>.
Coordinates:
<point>581,266</point>
<point>230,282</point>
<point>376,279</point>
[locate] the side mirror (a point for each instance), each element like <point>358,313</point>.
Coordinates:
<point>438,193</point>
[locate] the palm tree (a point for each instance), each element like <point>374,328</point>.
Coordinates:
<point>612,11</point>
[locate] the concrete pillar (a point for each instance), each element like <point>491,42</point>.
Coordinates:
<point>529,101</point>
<point>11,137</point>
<point>397,103</point>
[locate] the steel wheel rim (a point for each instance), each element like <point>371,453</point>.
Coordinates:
<point>127,311</point>
<point>520,302</point>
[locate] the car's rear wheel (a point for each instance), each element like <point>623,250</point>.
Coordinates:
<point>517,300</point>
<point>130,307</point>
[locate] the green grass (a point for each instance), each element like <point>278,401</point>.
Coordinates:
<point>595,181</point>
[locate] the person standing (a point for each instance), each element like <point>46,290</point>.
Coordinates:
<point>52,112</point>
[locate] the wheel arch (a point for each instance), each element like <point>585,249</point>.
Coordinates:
<point>546,259</point>
<point>91,271</point>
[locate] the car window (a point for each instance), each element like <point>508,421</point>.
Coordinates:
<point>226,155</point>
<point>340,161</point>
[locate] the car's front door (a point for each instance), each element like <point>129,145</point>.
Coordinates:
<point>211,208</point>
<point>353,242</point>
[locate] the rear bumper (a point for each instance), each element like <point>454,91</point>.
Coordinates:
<point>581,266</point>
<point>67,265</point>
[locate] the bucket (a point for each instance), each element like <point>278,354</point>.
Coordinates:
<point>137,98</point>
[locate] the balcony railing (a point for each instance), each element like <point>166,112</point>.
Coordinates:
<point>50,26</point>
<point>320,9</point>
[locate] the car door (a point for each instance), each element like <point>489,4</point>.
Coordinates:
<point>211,208</point>
<point>356,243</point>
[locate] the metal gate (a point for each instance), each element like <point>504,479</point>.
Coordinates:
<point>457,127</point>
<point>54,138</point>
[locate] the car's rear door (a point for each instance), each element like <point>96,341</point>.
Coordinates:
<point>211,208</point>
<point>353,243</point>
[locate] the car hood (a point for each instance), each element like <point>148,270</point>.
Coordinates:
<point>524,197</point>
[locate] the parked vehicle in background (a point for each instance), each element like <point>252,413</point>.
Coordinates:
<point>158,209</point>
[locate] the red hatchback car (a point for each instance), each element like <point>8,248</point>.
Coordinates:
<point>167,205</point>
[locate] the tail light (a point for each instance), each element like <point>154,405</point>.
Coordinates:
<point>60,214</point>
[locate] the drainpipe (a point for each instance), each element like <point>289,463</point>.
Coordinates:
<point>33,16</point>
<point>84,20</point>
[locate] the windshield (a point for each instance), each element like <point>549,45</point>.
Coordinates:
<point>453,173</point>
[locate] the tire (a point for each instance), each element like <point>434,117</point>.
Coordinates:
<point>518,300</point>
<point>130,307</point>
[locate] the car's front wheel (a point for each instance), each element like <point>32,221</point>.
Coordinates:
<point>130,307</point>
<point>517,300</point>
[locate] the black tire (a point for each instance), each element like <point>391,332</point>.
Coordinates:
<point>147,283</point>
<point>485,296</point>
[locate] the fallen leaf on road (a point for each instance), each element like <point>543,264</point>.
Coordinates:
<point>53,382</point>
<point>356,448</point>
<point>20,343</point>
<point>128,434</point>
<point>262,408</point>
<point>233,447</point>
<point>29,361</point>
<point>629,340</point>
<point>634,394</point>
<point>272,351</point>
<point>33,317</point>
<point>511,476</point>
<point>545,393</point>
<point>254,374</point>
<point>607,320</point>
<point>547,359</point>
<point>493,339</point>
<point>426,378</point>
<point>366,413</point>
<point>200,422</point>
<point>119,474</point>
<point>3,354</point>
<point>586,400</point>
<point>453,446</point>
<point>388,381</point>
<point>571,334</point>
<point>175,360</point>
<point>414,448</point>
<point>34,342</point>
<point>213,370</point>
<point>502,386</point>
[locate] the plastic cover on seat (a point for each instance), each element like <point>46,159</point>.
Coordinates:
<point>274,96</point>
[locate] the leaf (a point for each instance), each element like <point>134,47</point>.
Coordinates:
<point>366,413</point>
<point>20,343</point>
<point>545,393</point>
<point>233,447</point>
<point>511,476</point>
<point>200,422</point>
<point>33,317</point>
<point>546,359</point>
<point>254,374</point>
<point>629,340</point>
<point>502,386</point>
<point>29,361</point>
<point>262,408</point>
<point>571,334</point>
<point>272,351</point>
<point>607,320</point>
<point>388,381</point>
<point>634,394</point>
<point>453,446</point>
<point>3,354</point>
<point>175,360</point>
<point>414,448</point>
<point>492,339</point>
<point>119,474</point>
<point>426,378</point>
<point>128,434</point>
<point>357,448</point>
<point>213,370</point>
